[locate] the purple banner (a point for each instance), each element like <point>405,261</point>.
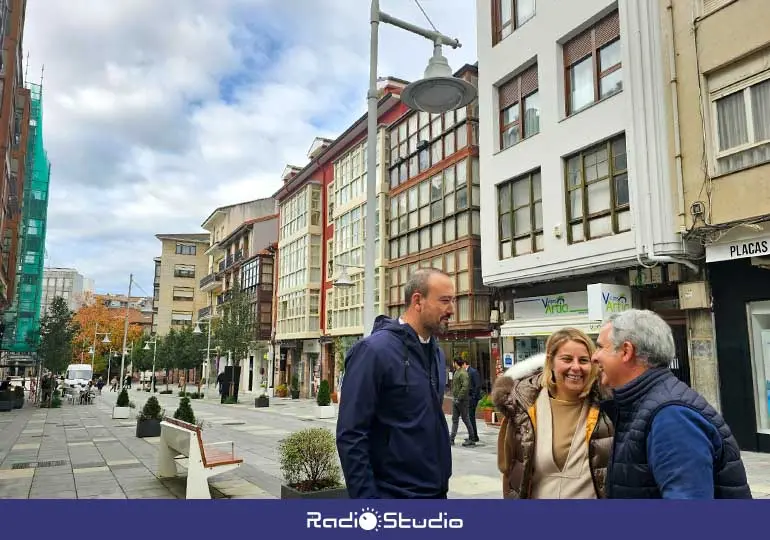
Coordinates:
<point>472,519</point>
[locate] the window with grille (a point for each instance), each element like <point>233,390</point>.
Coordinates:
<point>592,67</point>
<point>520,215</point>
<point>597,191</point>
<point>742,126</point>
<point>508,15</point>
<point>519,108</point>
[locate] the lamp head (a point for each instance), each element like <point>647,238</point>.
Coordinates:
<point>343,280</point>
<point>106,339</point>
<point>438,91</point>
<point>197,329</point>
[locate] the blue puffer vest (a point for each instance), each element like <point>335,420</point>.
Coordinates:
<point>632,411</point>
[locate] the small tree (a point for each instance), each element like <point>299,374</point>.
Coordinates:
<point>57,330</point>
<point>123,400</point>
<point>324,396</point>
<point>151,410</point>
<point>236,325</point>
<point>184,412</point>
<point>309,460</point>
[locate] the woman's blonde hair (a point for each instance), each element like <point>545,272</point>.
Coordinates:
<point>552,346</point>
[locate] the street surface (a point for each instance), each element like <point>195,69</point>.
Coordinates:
<point>79,451</point>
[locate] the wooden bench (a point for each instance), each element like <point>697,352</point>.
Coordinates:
<point>180,438</point>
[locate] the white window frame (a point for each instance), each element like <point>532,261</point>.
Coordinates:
<point>741,86</point>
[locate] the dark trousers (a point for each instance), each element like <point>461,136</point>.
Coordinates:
<point>460,410</point>
<point>472,417</point>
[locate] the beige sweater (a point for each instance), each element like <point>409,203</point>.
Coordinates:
<point>561,467</point>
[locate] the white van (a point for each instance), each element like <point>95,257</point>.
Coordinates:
<point>78,375</point>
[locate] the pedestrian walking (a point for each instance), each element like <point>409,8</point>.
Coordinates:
<point>669,442</point>
<point>461,391</point>
<point>392,435</point>
<point>554,441</point>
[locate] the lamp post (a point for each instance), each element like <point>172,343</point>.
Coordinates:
<point>439,91</point>
<point>154,350</point>
<point>197,330</point>
<point>125,330</point>
<point>96,335</point>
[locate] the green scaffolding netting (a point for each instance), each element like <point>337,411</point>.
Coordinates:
<point>22,320</point>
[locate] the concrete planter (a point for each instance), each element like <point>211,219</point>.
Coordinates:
<point>261,401</point>
<point>326,411</point>
<point>288,492</point>
<point>121,413</point>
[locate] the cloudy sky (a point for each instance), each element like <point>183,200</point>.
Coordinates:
<point>156,112</point>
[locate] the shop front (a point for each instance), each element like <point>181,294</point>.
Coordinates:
<point>739,277</point>
<point>535,318</point>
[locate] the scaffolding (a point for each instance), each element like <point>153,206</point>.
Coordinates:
<point>22,320</point>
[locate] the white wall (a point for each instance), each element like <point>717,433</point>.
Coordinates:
<point>540,37</point>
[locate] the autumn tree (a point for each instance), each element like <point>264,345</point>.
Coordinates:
<point>99,318</point>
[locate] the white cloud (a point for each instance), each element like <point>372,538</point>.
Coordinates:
<point>157,112</point>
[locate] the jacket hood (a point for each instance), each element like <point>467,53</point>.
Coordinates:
<point>383,322</point>
<point>527,374</point>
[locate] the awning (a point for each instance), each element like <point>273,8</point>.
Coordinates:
<point>546,327</point>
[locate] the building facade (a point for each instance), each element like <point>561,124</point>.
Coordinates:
<point>577,175</point>
<point>15,112</point>
<point>183,262</point>
<point>140,309</point>
<point>434,220</point>
<point>65,282</point>
<point>241,239</point>
<point>721,138</point>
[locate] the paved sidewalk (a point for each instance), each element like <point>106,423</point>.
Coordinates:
<point>79,451</point>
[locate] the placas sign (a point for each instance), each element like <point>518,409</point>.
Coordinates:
<point>740,249</point>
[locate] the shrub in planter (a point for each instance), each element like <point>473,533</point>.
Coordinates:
<point>294,387</point>
<point>325,408</point>
<point>148,421</point>
<point>486,407</point>
<point>122,407</point>
<point>184,412</point>
<point>308,460</point>
<point>281,390</point>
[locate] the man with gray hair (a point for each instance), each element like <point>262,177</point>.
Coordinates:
<point>669,442</point>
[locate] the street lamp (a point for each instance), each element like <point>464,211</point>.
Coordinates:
<point>437,92</point>
<point>106,340</point>
<point>154,350</point>
<point>197,330</point>
<point>343,279</point>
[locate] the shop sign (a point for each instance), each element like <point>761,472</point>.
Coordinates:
<point>605,299</point>
<point>740,249</point>
<point>553,305</point>
<point>508,360</point>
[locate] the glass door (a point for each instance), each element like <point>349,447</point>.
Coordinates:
<point>759,325</point>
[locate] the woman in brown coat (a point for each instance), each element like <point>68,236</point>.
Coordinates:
<point>554,441</point>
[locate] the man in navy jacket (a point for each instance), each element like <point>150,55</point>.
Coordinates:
<point>669,442</point>
<point>392,435</point>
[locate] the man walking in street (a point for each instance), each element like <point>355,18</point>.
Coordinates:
<point>461,389</point>
<point>392,435</point>
<point>475,397</point>
<point>669,442</point>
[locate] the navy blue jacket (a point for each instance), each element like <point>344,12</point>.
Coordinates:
<point>473,375</point>
<point>670,443</point>
<point>392,435</point>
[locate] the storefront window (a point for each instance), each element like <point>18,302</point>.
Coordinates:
<point>759,325</point>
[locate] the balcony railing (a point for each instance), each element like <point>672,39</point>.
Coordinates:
<point>204,312</point>
<point>211,278</point>
<point>222,298</point>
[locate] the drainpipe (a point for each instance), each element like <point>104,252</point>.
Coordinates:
<point>675,112</point>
